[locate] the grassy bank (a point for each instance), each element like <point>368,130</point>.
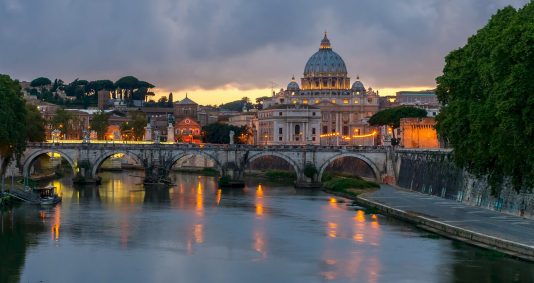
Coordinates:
<point>350,186</point>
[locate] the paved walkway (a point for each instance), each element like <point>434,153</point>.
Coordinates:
<point>475,219</point>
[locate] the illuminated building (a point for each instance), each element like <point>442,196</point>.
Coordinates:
<point>187,130</point>
<point>418,133</point>
<point>344,108</point>
<point>289,124</point>
<point>185,108</point>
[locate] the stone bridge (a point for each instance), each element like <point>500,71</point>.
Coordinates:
<point>230,160</point>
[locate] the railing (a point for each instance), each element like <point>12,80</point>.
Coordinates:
<point>206,146</point>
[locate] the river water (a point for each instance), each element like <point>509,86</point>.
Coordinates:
<point>195,232</point>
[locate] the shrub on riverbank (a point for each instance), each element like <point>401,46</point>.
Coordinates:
<point>203,172</point>
<point>327,176</point>
<point>277,175</point>
<point>351,185</point>
<point>5,201</point>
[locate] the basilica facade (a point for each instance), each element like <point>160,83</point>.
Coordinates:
<point>344,108</point>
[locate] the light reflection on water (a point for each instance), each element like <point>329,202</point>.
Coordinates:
<point>197,232</point>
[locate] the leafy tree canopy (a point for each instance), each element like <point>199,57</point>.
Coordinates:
<point>12,121</point>
<point>391,117</point>
<point>35,124</point>
<point>99,123</point>
<point>128,82</point>
<point>61,120</point>
<point>137,124</point>
<point>487,89</point>
<point>220,133</point>
<point>237,105</point>
<point>41,81</point>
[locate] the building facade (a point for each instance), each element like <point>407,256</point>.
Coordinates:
<point>418,133</point>
<point>289,124</point>
<point>345,108</point>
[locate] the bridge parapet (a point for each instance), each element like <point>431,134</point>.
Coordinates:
<point>158,158</point>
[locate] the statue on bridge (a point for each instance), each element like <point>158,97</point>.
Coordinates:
<point>232,137</point>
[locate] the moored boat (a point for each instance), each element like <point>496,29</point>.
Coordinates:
<point>47,195</point>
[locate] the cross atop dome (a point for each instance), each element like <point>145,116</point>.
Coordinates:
<point>325,43</point>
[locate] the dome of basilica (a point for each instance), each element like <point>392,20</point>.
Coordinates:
<point>325,62</point>
<point>358,86</point>
<point>293,85</point>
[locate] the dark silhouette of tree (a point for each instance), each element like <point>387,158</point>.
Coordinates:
<point>487,89</point>
<point>40,83</point>
<point>99,123</point>
<point>12,122</point>
<point>35,124</point>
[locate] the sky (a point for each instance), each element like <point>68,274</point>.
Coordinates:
<point>219,51</point>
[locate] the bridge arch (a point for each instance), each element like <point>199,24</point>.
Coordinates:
<point>28,161</point>
<point>286,158</point>
<point>177,157</point>
<point>107,154</point>
<point>361,157</point>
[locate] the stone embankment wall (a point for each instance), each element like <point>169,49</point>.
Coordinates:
<point>433,172</point>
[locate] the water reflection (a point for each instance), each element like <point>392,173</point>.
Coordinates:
<point>199,232</point>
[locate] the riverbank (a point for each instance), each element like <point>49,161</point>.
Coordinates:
<point>476,226</point>
<point>198,171</point>
<point>5,201</point>
<point>272,176</point>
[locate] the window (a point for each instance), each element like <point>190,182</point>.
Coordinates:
<point>313,113</point>
<point>313,138</point>
<point>313,131</point>
<point>297,129</point>
<point>279,113</point>
<point>345,130</point>
<point>305,101</point>
<point>345,101</point>
<point>295,101</point>
<point>356,101</point>
<point>280,131</point>
<point>280,138</point>
<point>333,101</point>
<point>325,129</point>
<point>317,101</point>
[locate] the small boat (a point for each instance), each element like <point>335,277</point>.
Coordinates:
<point>47,195</point>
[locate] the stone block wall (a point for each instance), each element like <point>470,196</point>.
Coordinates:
<point>434,173</point>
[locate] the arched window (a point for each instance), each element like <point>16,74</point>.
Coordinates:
<point>297,129</point>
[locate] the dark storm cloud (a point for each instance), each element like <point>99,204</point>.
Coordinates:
<point>208,43</point>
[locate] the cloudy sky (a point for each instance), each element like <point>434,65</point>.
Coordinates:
<point>222,50</point>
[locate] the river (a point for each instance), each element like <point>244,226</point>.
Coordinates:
<point>195,232</point>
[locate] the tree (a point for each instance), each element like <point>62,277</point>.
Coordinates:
<point>487,91</point>
<point>132,88</point>
<point>259,102</point>
<point>35,124</point>
<point>61,120</point>
<point>12,122</point>
<point>95,86</point>
<point>99,123</point>
<point>163,102</point>
<point>137,124</point>
<point>391,117</point>
<point>40,82</point>
<point>220,133</point>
